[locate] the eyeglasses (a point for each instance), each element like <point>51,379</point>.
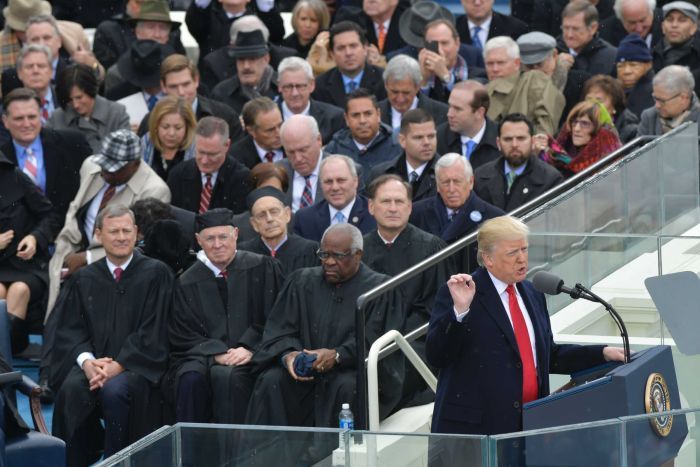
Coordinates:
<point>324,255</point>
<point>261,216</point>
<point>664,101</point>
<point>292,87</point>
<point>585,124</point>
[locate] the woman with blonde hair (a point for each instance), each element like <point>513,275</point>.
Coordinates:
<point>309,17</point>
<point>170,133</point>
<point>587,136</point>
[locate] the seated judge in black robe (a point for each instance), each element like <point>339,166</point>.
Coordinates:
<point>220,307</point>
<point>315,313</point>
<point>269,217</point>
<point>396,246</point>
<point>110,346</point>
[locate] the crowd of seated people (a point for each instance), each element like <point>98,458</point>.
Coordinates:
<point>190,236</point>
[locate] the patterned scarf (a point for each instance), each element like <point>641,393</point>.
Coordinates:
<point>9,49</point>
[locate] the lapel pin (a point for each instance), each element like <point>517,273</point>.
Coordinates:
<point>475,216</point>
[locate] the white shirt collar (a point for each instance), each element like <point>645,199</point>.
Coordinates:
<point>214,175</point>
<point>262,152</point>
<point>419,170</point>
<point>484,26</point>
<point>346,210</point>
<point>113,266</point>
<point>396,115</point>
<point>201,256</point>
<point>388,241</point>
<point>386,27</point>
<point>477,137</point>
<point>500,285</point>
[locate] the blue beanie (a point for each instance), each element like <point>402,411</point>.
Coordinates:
<point>633,49</point>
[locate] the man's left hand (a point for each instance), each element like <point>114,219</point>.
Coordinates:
<point>614,354</point>
<point>374,57</point>
<point>325,359</point>
<point>238,356</point>
<point>111,369</point>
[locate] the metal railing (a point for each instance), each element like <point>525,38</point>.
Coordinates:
<point>361,414</point>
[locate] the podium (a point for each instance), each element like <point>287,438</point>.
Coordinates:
<point>647,383</point>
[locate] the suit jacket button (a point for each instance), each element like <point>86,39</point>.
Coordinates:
<point>518,365</point>
<point>516,404</point>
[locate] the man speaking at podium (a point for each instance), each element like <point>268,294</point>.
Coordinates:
<point>491,337</point>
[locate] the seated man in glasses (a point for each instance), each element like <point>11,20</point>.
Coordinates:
<point>270,217</point>
<point>675,102</point>
<point>307,356</point>
<point>219,310</point>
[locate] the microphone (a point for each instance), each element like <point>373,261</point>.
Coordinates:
<point>550,284</point>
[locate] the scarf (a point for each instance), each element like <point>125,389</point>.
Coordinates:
<point>9,49</point>
<point>570,160</point>
<point>262,87</point>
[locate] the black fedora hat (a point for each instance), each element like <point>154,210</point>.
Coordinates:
<point>414,20</point>
<point>140,65</point>
<point>249,44</point>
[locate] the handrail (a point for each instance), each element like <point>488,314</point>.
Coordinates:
<point>361,415</point>
<point>392,336</point>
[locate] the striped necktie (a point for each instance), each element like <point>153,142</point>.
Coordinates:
<point>30,165</point>
<point>476,42</point>
<point>44,110</point>
<point>270,156</point>
<point>307,198</point>
<point>510,179</point>
<point>205,197</point>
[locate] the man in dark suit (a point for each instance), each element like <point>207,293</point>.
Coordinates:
<point>254,78</point>
<point>52,157</point>
<point>481,23</point>
<point>212,179</point>
<point>468,131</point>
<point>495,319</point>
<point>339,182</point>
<point>262,120</point>
<point>380,20</point>
<point>221,63</point>
<point>416,165</point>
<point>633,16</point>
<point>348,45</point>
<point>180,77</point>
<point>402,80</point>
<point>301,140</point>
<point>296,83</point>
<point>519,175</point>
<point>34,71</point>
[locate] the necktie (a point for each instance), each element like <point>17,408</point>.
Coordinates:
<point>273,253</point>
<point>413,177</point>
<point>107,196</point>
<point>510,179</point>
<point>451,215</point>
<point>118,274</point>
<point>307,198</point>
<point>339,218</point>
<point>151,102</point>
<point>223,273</point>
<point>476,42</point>
<point>30,165</point>
<point>270,156</point>
<point>205,197</point>
<point>381,37</point>
<point>352,85</point>
<point>44,110</point>
<point>388,245</point>
<point>522,337</point>
<point>469,148</point>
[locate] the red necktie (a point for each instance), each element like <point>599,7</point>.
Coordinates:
<point>118,274</point>
<point>44,109</point>
<point>108,194</point>
<point>30,165</point>
<point>270,156</point>
<point>522,337</point>
<point>205,197</point>
<point>381,39</point>
<point>273,253</point>
<point>223,273</point>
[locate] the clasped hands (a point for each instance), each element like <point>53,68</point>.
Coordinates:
<point>325,361</point>
<point>234,357</point>
<point>100,370</point>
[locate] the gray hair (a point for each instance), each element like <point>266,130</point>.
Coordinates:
<point>675,79</point>
<point>310,122</point>
<point>619,4</point>
<point>33,48</point>
<point>210,126</point>
<point>402,67</point>
<point>295,64</point>
<point>248,23</point>
<point>349,229</point>
<point>339,157</point>
<point>451,158</point>
<point>38,19</point>
<point>502,42</point>
<point>114,210</point>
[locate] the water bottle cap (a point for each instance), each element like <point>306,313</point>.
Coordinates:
<point>346,406</point>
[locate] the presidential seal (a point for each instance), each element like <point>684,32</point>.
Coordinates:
<point>657,399</point>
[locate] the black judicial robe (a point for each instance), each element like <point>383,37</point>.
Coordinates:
<point>295,253</point>
<point>125,321</point>
<point>311,313</point>
<point>201,326</point>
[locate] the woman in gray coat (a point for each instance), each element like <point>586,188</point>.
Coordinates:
<point>83,110</point>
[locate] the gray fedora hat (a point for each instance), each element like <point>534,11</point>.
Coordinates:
<point>414,20</point>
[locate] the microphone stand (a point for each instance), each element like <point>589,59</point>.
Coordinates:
<point>589,295</point>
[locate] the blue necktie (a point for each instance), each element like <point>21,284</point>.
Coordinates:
<point>352,85</point>
<point>339,218</point>
<point>151,102</point>
<point>476,42</point>
<point>470,148</point>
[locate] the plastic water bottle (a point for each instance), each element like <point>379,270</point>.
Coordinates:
<point>346,421</point>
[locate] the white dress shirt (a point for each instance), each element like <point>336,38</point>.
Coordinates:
<point>346,211</point>
<point>300,182</point>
